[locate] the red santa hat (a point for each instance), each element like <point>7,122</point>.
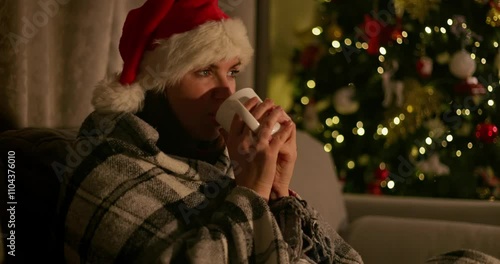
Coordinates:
<point>162,41</point>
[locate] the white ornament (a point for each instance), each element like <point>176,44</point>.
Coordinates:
<point>433,166</point>
<point>425,67</point>
<point>462,65</point>
<point>343,100</point>
<point>392,87</point>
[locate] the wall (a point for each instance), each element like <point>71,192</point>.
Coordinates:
<point>247,11</point>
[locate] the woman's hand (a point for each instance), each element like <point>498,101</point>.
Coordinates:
<point>259,159</point>
<point>287,157</point>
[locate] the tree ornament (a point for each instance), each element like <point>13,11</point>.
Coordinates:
<point>433,166</point>
<point>462,65</point>
<point>392,88</point>
<point>424,67</point>
<point>343,100</point>
<point>417,9</point>
<point>425,102</point>
<point>488,176</point>
<point>381,173</point>
<point>487,133</point>
<point>378,33</point>
<point>310,56</point>
<point>488,181</point>
<point>397,32</point>
<point>372,29</point>
<point>470,86</point>
<point>436,128</point>
<point>493,16</point>
<point>460,29</point>
<point>374,188</point>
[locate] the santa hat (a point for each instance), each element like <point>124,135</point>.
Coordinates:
<point>162,41</point>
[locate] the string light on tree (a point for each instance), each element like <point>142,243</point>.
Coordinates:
<point>406,79</point>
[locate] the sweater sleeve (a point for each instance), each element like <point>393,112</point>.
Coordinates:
<point>308,237</point>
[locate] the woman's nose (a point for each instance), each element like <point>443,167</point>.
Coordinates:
<point>223,81</point>
<point>225,87</point>
<point>221,93</point>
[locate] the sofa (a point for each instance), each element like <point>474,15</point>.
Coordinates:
<point>382,229</point>
<point>390,229</point>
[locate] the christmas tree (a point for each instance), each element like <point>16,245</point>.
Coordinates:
<point>403,94</point>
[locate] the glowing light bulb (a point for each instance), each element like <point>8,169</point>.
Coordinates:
<point>317,31</point>
<point>327,147</point>
<point>311,84</point>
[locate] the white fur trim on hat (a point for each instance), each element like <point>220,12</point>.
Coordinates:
<point>206,44</point>
<point>209,43</point>
<point>112,96</point>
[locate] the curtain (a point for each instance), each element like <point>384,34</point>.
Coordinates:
<point>52,53</point>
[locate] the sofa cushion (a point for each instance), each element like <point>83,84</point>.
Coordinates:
<point>471,211</point>
<point>383,239</point>
<point>315,180</point>
<point>36,189</point>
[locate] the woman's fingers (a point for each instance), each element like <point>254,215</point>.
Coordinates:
<point>268,115</point>
<point>261,109</point>
<point>268,122</point>
<point>283,135</point>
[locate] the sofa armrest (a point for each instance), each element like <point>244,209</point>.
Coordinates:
<point>471,211</point>
<point>381,239</point>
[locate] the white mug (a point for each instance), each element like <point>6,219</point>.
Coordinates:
<point>234,105</point>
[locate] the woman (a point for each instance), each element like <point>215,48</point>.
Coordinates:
<point>163,182</point>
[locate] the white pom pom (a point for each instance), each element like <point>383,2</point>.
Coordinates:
<point>462,65</point>
<point>112,96</point>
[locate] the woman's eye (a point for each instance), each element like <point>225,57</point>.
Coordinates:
<point>204,72</point>
<point>233,73</point>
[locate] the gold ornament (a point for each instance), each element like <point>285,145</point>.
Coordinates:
<point>493,17</point>
<point>421,104</point>
<point>418,9</point>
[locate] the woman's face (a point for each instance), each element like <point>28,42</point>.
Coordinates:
<point>197,97</point>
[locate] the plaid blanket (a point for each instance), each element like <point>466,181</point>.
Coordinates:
<point>463,256</point>
<point>128,202</point>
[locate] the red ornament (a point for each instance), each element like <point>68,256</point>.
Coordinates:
<point>372,29</point>
<point>381,174</point>
<point>424,67</point>
<point>487,133</point>
<point>397,33</point>
<point>378,33</point>
<point>470,86</point>
<point>309,56</point>
<point>374,188</point>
